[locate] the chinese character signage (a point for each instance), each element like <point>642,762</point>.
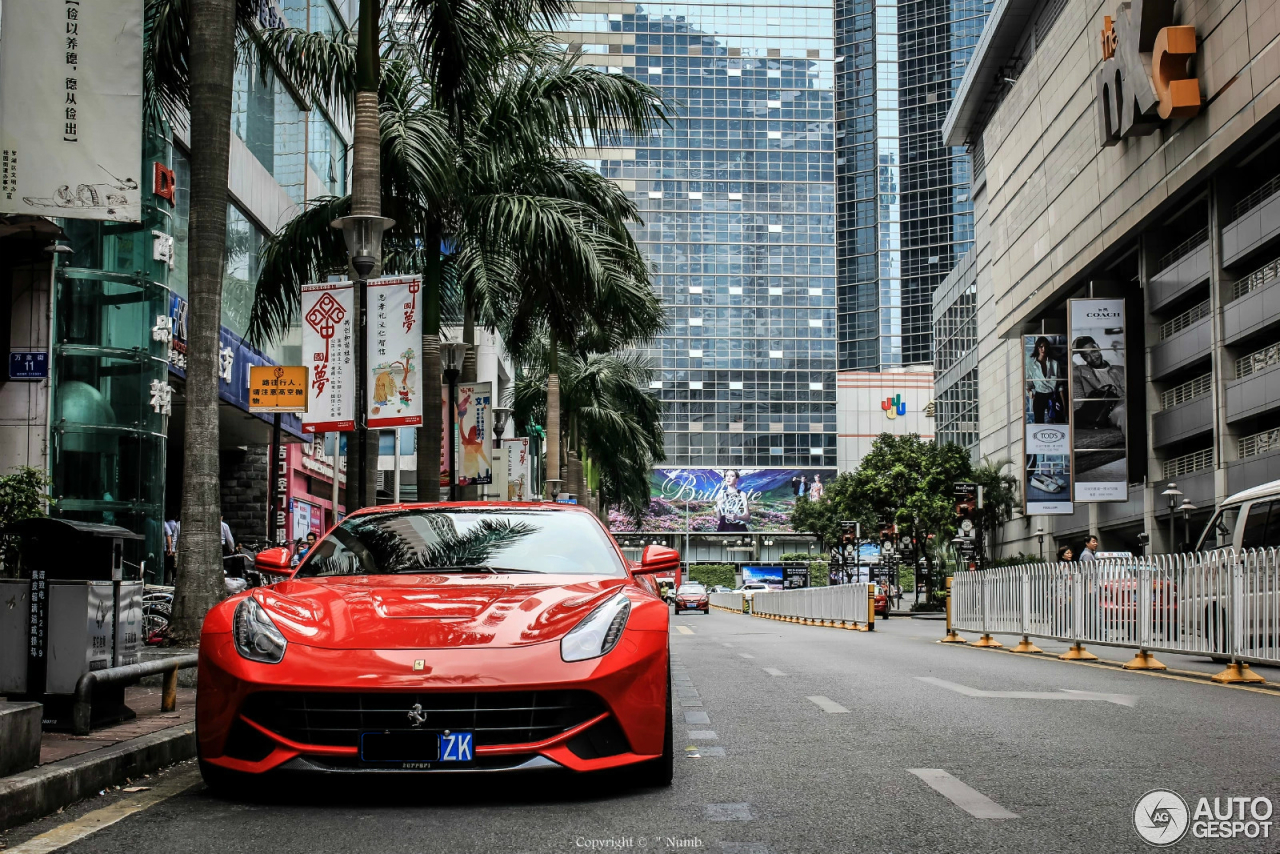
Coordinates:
<point>519,469</point>
<point>475,436</point>
<point>277,388</point>
<point>1099,446</point>
<point>71,109</point>
<point>1045,414</point>
<point>327,328</point>
<point>395,339</point>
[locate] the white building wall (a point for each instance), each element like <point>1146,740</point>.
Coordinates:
<point>861,417</point>
<point>24,423</point>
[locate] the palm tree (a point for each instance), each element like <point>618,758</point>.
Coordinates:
<point>616,420</point>
<point>538,240</point>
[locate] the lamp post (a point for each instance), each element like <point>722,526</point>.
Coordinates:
<point>1040,537</point>
<point>1186,507</point>
<point>363,235</point>
<point>500,416</point>
<point>553,488</point>
<point>1173,494</point>
<point>451,354</point>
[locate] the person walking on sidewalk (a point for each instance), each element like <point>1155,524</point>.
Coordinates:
<point>1090,551</point>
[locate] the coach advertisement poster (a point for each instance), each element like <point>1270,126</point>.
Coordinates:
<point>1045,416</point>
<point>1099,446</point>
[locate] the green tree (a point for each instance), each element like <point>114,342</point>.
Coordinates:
<point>1000,494</point>
<point>23,495</point>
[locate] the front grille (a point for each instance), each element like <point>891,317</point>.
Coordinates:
<point>498,717</point>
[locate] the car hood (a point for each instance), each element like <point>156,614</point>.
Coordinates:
<point>432,611</point>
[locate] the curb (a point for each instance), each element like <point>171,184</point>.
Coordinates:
<point>36,793</point>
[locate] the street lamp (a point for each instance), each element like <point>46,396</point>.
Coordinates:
<point>500,416</point>
<point>1173,494</point>
<point>451,354</point>
<point>1040,537</point>
<point>553,488</point>
<point>1186,507</point>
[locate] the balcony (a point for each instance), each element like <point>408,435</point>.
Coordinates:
<point>1180,270</point>
<point>1181,422</point>
<point>1257,386</point>
<point>1257,222</point>
<point>1259,461</point>
<point>1255,304</point>
<point>1184,340</point>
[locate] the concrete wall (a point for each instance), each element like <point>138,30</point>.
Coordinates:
<point>244,486</point>
<point>24,405</point>
<point>860,418</point>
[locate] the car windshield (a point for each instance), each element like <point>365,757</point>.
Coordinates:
<point>691,589</point>
<point>482,540</point>
<point>1218,533</point>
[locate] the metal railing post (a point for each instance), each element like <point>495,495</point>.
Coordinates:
<point>1236,670</point>
<point>986,640</point>
<point>1145,604</point>
<point>1075,580</point>
<point>1024,614</point>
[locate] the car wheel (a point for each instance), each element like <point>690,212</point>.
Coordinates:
<point>658,772</point>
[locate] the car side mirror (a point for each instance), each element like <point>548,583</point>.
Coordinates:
<point>273,560</point>
<point>657,559</point>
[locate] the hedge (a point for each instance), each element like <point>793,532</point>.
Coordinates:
<point>712,574</point>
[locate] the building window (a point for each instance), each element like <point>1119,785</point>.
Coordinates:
<point>957,412</point>
<point>269,121</point>
<point>240,277</point>
<point>181,221</point>
<point>955,331</point>
<point>327,154</point>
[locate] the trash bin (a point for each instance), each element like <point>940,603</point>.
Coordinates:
<point>75,607</point>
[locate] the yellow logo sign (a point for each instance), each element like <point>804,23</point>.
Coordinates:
<point>277,388</point>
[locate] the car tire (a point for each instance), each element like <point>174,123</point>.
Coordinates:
<point>659,772</point>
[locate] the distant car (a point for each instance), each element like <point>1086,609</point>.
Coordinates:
<point>882,601</point>
<point>719,588</point>
<point>750,590</point>
<point>692,597</point>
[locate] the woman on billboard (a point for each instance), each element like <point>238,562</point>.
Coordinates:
<point>731,505</point>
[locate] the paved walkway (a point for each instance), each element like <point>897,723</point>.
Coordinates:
<point>143,700</point>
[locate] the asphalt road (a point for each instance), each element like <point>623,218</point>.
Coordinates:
<point>813,740</point>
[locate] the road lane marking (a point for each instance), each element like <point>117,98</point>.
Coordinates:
<point>703,735</point>
<point>92,822</point>
<point>690,703</point>
<point>729,812</point>
<point>745,655</point>
<point>686,692</point>
<point>727,645</point>
<point>829,706</point>
<point>970,800</point>
<point>696,718</point>
<point>773,671</point>
<point>684,630</point>
<point>1062,694</point>
<point>712,751</point>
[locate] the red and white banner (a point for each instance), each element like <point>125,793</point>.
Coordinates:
<point>328,326</point>
<point>395,337</point>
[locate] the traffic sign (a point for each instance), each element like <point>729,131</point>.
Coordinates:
<point>277,388</point>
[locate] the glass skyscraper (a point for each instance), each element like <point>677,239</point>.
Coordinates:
<point>738,199</point>
<point>903,211</point>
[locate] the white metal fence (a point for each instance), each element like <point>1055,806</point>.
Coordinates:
<point>843,603</point>
<point>1219,603</point>
<point>732,601</point>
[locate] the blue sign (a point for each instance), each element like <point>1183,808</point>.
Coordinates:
<point>235,356</point>
<point>28,365</point>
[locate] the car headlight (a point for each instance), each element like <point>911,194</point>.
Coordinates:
<point>599,632</point>
<point>257,638</point>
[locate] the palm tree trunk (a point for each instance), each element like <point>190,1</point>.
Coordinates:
<point>577,483</point>
<point>553,413</point>
<point>199,584</point>
<point>430,439</point>
<point>366,193</point>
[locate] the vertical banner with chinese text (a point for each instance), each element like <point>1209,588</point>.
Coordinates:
<point>71,109</point>
<point>1045,417</point>
<point>1099,445</point>
<point>474,433</point>
<point>519,469</point>
<point>394,381</point>
<point>328,324</point>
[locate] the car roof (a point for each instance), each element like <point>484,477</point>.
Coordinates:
<point>1266,490</point>
<point>540,506</point>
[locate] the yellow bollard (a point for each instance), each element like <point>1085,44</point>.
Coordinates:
<point>951,636</point>
<point>1078,653</point>
<point>871,609</point>
<point>988,641</point>
<point>1025,645</point>
<point>1236,672</point>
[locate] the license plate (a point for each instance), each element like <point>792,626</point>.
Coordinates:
<point>416,747</point>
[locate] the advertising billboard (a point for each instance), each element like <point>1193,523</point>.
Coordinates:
<point>1045,414</point>
<point>772,575</point>
<point>723,500</point>
<point>394,381</point>
<point>328,310</point>
<point>474,422</point>
<point>1099,446</point>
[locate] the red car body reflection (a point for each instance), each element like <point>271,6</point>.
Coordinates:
<point>473,650</point>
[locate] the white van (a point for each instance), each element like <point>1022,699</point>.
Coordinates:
<point>1247,520</point>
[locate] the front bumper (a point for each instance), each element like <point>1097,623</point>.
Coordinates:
<point>630,683</point>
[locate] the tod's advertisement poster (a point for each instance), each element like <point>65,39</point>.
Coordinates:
<point>1099,446</point>
<point>723,500</point>
<point>1045,411</point>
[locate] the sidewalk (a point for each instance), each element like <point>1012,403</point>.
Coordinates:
<point>75,767</point>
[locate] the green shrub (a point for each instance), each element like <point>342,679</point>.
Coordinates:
<point>804,556</point>
<point>711,574</point>
<point>819,574</point>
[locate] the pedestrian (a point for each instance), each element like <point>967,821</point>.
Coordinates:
<point>228,542</point>
<point>171,530</point>
<point>1090,551</point>
<point>1065,555</point>
<point>815,489</point>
